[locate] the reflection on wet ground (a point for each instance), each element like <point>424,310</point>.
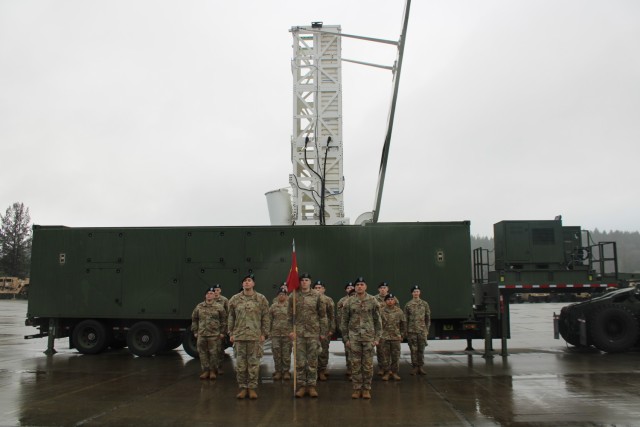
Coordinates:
<point>542,382</point>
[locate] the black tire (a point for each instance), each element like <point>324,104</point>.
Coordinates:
<point>613,328</point>
<point>190,344</point>
<point>90,337</point>
<point>569,326</point>
<point>145,339</point>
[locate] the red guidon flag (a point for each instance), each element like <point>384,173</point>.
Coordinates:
<point>293,281</point>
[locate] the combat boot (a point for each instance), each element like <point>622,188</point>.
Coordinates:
<point>301,392</point>
<point>204,375</point>
<point>355,394</point>
<point>252,394</point>
<point>421,371</point>
<point>277,376</point>
<point>286,376</point>
<point>395,376</point>
<point>366,394</point>
<point>212,374</point>
<point>220,372</point>
<point>385,377</point>
<point>414,370</point>
<point>380,372</point>
<point>312,391</point>
<point>242,394</point>
<point>322,376</point>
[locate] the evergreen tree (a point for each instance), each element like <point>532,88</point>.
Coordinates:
<point>15,241</point>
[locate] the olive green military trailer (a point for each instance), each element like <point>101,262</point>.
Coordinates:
<point>111,287</point>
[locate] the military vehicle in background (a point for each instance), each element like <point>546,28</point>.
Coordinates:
<point>609,322</point>
<point>14,288</point>
<point>543,257</point>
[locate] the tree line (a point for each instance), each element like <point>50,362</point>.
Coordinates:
<point>15,241</point>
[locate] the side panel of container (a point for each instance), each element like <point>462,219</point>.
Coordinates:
<point>161,273</point>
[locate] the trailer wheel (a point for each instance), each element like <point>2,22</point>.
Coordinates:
<point>190,344</point>
<point>90,337</point>
<point>613,328</point>
<point>145,339</point>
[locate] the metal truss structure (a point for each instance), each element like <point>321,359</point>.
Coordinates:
<point>317,181</point>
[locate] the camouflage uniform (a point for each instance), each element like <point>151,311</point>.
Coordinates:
<point>248,320</point>
<point>225,341</point>
<point>394,327</point>
<point>310,320</point>
<point>323,358</point>
<point>339,315</point>
<point>380,354</point>
<point>209,321</point>
<point>360,327</point>
<point>280,341</point>
<point>418,317</point>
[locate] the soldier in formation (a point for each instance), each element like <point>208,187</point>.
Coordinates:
<point>280,341</point>
<point>225,341</point>
<point>418,317</point>
<point>350,291</point>
<point>394,328</point>
<point>248,328</point>
<point>361,328</point>
<point>323,358</point>
<point>309,317</point>
<point>209,326</point>
<point>383,291</point>
<point>283,287</point>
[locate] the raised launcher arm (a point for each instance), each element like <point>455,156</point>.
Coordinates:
<point>392,111</point>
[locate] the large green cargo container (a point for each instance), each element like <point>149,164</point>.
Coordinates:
<point>117,277</point>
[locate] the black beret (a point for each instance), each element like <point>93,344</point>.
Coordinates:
<point>304,276</point>
<point>348,285</point>
<point>389,296</point>
<point>383,284</point>
<point>415,287</point>
<point>359,279</point>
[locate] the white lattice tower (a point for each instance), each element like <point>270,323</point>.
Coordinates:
<point>316,141</point>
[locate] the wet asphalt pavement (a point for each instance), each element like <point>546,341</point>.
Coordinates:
<point>542,383</point>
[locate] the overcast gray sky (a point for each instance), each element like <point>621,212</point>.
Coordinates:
<point>141,113</point>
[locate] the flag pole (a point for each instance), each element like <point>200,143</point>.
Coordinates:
<point>295,345</point>
<point>293,282</point>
